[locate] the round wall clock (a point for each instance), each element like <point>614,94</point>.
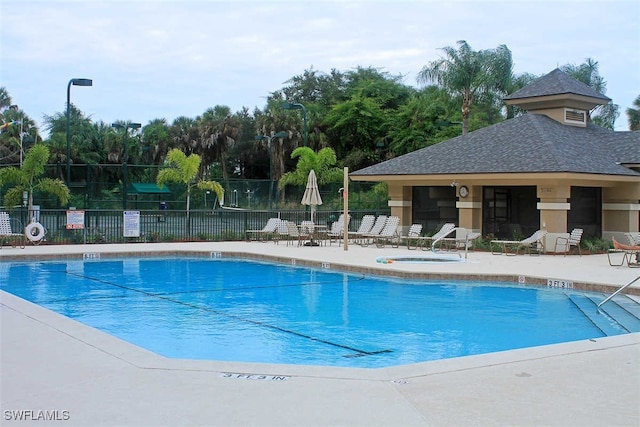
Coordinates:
<point>464,191</point>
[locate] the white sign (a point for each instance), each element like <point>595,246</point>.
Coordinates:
<point>131,224</point>
<point>75,220</point>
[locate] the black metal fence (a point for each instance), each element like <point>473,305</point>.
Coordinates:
<point>108,226</point>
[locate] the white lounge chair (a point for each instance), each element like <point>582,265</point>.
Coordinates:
<point>365,227</point>
<point>511,247</point>
<point>337,229</point>
<point>389,233</point>
<point>10,231</point>
<point>265,233</point>
<point>378,225</point>
<point>413,235</point>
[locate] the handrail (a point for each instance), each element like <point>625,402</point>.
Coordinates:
<point>433,244</point>
<point>618,291</point>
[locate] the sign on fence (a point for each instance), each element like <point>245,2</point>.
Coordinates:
<point>131,223</point>
<point>75,220</point>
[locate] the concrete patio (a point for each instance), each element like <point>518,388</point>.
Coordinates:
<point>55,368</point>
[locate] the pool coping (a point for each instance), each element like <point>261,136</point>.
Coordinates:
<point>378,271</point>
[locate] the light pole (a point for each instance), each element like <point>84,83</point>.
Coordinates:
<point>296,106</point>
<point>74,82</point>
<point>125,157</point>
<point>269,138</point>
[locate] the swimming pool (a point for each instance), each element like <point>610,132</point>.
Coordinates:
<point>242,310</point>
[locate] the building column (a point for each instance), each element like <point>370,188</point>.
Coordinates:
<point>553,207</point>
<point>620,210</point>
<point>470,208</point>
<point>400,202</point>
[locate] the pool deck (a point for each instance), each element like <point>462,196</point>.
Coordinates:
<point>51,366</point>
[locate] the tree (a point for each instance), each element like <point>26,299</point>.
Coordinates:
<point>587,73</point>
<point>470,74</point>
<point>29,178</point>
<point>323,163</point>
<point>634,115</point>
<point>184,170</point>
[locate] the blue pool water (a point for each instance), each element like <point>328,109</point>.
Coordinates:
<point>241,310</point>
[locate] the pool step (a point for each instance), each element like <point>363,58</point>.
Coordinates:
<point>623,309</point>
<point>602,320</point>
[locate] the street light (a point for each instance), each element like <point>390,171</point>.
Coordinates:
<point>296,106</point>
<point>74,82</point>
<point>125,157</point>
<point>269,138</point>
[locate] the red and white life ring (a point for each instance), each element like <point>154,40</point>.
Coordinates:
<point>34,232</point>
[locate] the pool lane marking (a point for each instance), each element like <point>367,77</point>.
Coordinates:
<point>233,316</point>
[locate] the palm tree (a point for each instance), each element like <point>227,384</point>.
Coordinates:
<point>29,178</point>
<point>587,73</point>
<point>184,170</point>
<point>634,115</point>
<point>470,74</point>
<point>321,162</point>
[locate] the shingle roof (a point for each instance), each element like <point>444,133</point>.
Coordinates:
<point>527,144</point>
<point>556,82</point>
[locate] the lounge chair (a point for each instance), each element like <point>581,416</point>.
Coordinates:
<point>511,247</point>
<point>9,231</point>
<point>413,235</point>
<point>565,243</point>
<point>378,225</point>
<point>365,227</point>
<point>389,233</point>
<point>464,239</point>
<point>337,229</point>
<point>628,254</point>
<point>265,233</point>
<point>430,242</point>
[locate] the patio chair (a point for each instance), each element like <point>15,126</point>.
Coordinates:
<point>365,227</point>
<point>265,233</point>
<point>413,235</point>
<point>9,231</point>
<point>628,253</point>
<point>389,233</point>
<point>378,225</point>
<point>296,233</point>
<point>565,243</point>
<point>511,247</point>
<point>438,237</point>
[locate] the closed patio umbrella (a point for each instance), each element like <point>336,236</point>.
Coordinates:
<point>311,196</point>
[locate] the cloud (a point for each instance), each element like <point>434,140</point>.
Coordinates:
<point>153,59</point>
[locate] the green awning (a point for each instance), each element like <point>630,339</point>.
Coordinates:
<point>145,188</point>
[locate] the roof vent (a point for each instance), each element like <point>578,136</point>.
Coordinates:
<point>575,117</point>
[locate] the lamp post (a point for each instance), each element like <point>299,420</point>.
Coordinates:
<point>296,106</point>
<point>269,138</point>
<point>74,82</point>
<point>125,157</point>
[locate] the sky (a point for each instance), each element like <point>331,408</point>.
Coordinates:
<point>171,58</point>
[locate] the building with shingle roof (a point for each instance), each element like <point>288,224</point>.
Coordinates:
<point>550,168</point>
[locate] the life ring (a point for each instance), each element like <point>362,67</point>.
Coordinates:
<point>34,232</point>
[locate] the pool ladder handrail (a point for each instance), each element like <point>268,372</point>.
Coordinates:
<point>453,230</point>
<point>618,291</point>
